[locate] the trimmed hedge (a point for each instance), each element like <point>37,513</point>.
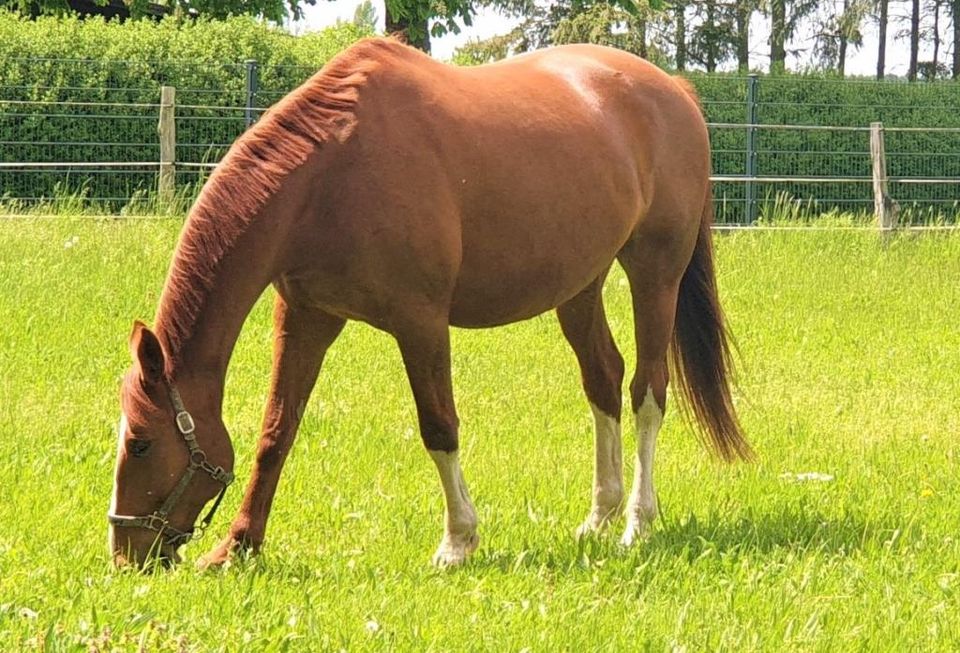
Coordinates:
<point>829,101</point>
<point>66,59</point>
<point>93,61</point>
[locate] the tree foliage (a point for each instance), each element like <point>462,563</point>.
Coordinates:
<point>273,10</point>
<point>623,24</point>
<point>712,34</point>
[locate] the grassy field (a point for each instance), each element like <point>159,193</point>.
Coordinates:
<point>850,367</point>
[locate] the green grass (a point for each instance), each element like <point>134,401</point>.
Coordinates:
<point>850,366</point>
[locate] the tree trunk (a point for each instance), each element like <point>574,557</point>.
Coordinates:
<point>842,44</point>
<point>956,39</point>
<point>936,38</point>
<point>882,47</point>
<point>842,56</point>
<point>681,35</point>
<point>743,35</point>
<point>642,29</point>
<point>400,28</point>
<point>914,40</point>
<point>711,33</point>
<point>778,35</point>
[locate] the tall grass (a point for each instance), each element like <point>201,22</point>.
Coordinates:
<point>848,369</point>
<point>75,201</point>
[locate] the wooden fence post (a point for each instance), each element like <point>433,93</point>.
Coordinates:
<point>883,205</point>
<point>167,129</point>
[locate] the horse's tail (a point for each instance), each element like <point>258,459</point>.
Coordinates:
<point>700,351</point>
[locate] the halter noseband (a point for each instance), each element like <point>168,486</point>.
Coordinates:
<point>157,520</point>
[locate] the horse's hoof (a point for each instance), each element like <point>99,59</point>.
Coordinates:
<point>454,550</point>
<point>592,525</point>
<point>635,531</point>
<point>221,556</point>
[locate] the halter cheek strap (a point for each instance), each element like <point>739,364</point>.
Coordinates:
<point>157,521</point>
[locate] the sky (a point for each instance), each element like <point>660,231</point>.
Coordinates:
<point>489,23</point>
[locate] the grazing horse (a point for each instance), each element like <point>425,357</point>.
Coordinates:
<point>412,195</point>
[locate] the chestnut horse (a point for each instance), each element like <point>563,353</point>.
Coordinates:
<point>412,195</point>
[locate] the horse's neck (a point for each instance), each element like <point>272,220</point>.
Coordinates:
<point>207,296</point>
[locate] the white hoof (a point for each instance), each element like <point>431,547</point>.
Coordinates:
<point>639,526</point>
<point>596,522</point>
<point>454,550</point>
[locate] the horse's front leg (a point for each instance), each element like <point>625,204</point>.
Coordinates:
<point>425,347</point>
<point>301,339</point>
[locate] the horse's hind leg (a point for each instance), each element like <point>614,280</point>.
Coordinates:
<point>301,339</point>
<point>584,325</point>
<point>425,347</point>
<point>654,276</point>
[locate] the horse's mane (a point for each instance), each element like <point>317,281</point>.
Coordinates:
<point>321,109</point>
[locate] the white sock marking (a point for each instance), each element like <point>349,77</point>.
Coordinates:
<point>460,517</point>
<point>607,472</point>
<point>642,506</point>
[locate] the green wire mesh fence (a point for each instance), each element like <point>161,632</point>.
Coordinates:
<point>92,129</point>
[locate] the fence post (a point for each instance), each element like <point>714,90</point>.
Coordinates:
<point>167,129</point>
<point>252,82</point>
<point>753,83</point>
<point>883,205</point>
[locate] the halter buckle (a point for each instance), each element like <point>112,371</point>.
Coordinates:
<point>156,522</point>
<point>185,423</point>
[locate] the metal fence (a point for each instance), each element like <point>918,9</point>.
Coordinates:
<point>776,141</point>
<point>807,141</point>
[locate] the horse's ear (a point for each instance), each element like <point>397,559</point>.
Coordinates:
<point>147,353</point>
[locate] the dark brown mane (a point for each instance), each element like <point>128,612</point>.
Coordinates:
<point>322,108</point>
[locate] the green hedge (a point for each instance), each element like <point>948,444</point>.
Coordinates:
<point>56,59</point>
<point>93,61</point>
<point>829,101</point>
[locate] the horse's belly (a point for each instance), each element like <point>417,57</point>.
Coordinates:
<point>527,273</point>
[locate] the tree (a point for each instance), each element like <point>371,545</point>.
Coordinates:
<point>742,12</point>
<point>838,30</point>
<point>714,39</point>
<point>602,24</point>
<point>882,23</point>
<point>365,16</point>
<point>785,17</point>
<point>914,39</point>
<point>410,20</point>
<point>955,12</point>
<point>622,24</point>
<point>778,35</point>
<point>273,10</point>
<point>680,34</point>
<point>933,69</point>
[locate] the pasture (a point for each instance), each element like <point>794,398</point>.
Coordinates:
<point>849,368</point>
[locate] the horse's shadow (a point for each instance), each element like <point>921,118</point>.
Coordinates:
<point>692,538</point>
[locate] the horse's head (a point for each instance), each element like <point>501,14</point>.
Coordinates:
<point>173,456</point>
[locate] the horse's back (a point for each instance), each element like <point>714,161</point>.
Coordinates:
<point>514,184</point>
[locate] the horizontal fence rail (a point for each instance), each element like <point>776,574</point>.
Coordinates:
<point>782,146</point>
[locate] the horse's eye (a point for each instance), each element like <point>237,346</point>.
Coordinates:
<point>138,447</point>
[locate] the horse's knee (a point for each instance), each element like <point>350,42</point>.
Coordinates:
<point>440,432</point>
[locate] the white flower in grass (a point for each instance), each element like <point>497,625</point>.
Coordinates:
<point>71,242</point>
<point>372,627</point>
<point>805,477</point>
